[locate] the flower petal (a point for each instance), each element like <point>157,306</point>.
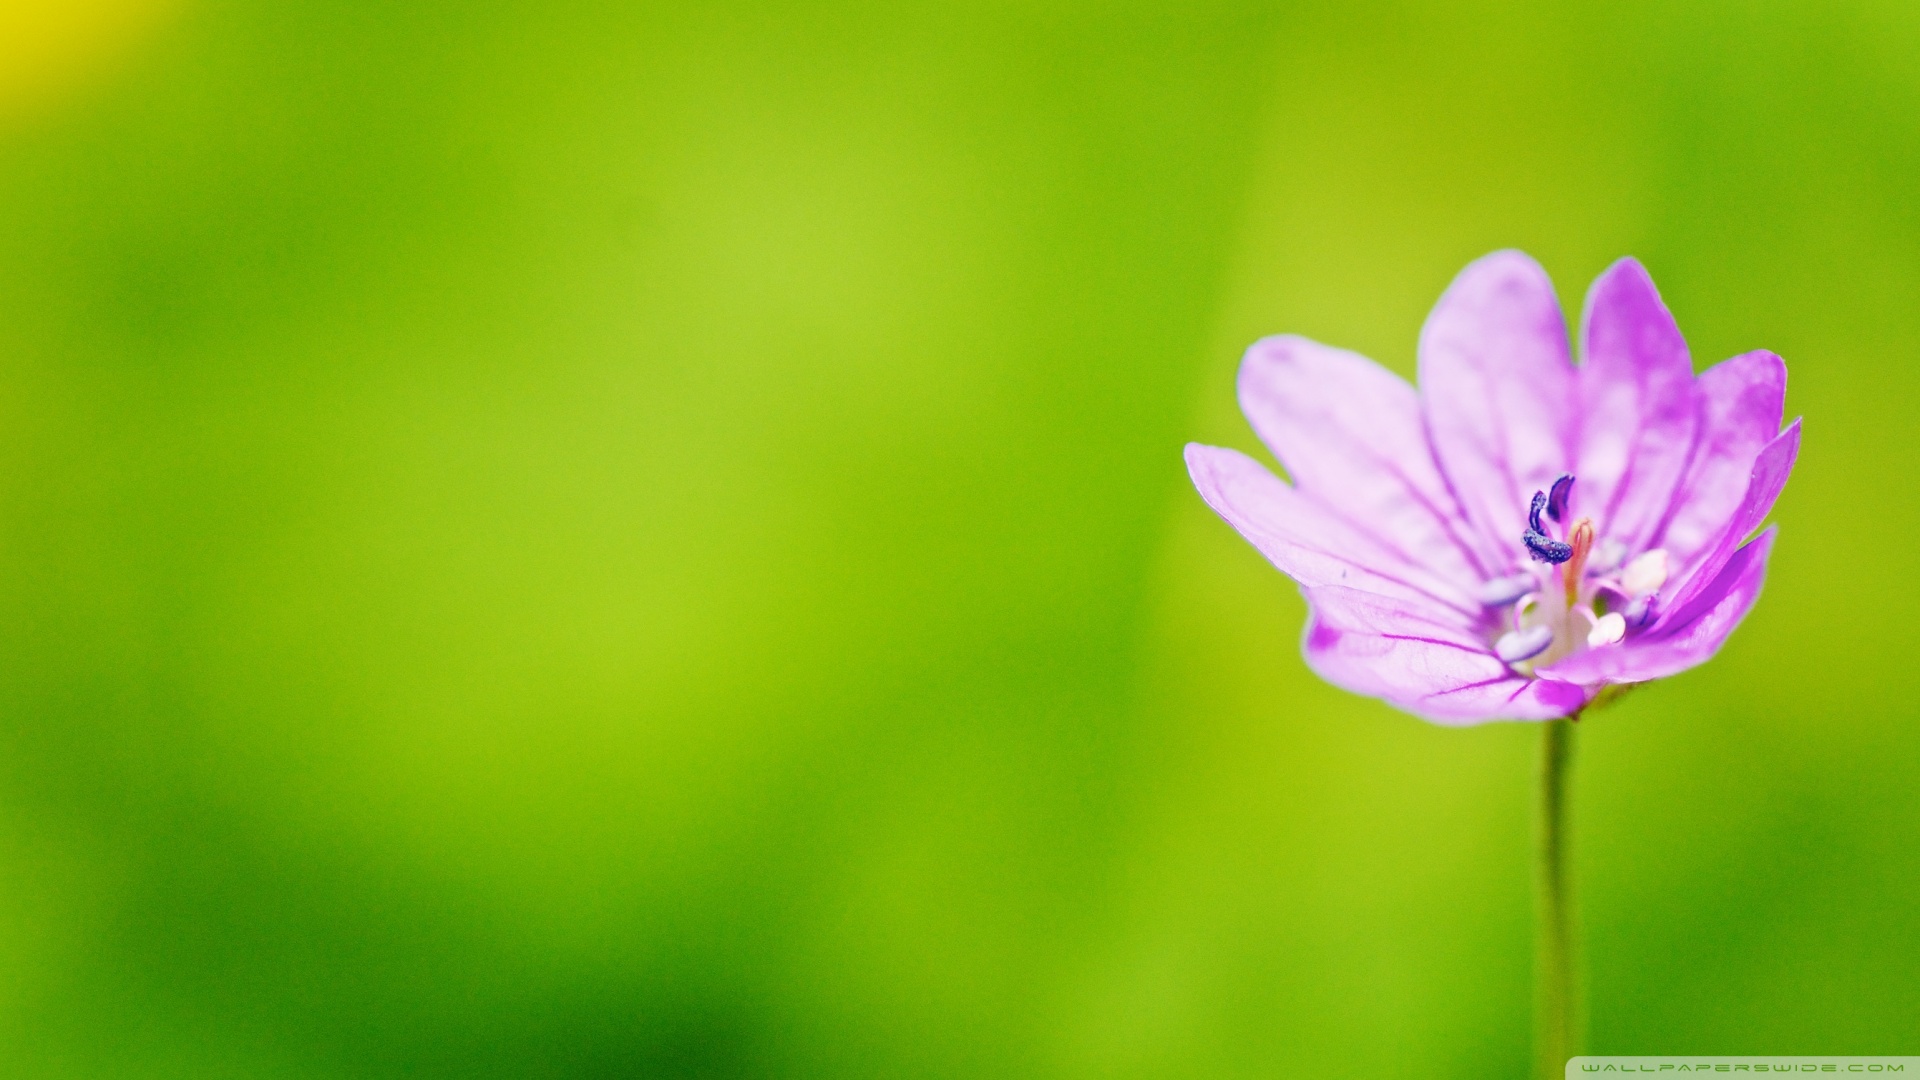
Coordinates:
<point>1637,406</point>
<point>1696,634</point>
<point>1741,403</point>
<point>1310,543</point>
<point>1498,391</point>
<point>1350,432</point>
<point>1509,699</point>
<point>1386,648</point>
<point>1770,471</point>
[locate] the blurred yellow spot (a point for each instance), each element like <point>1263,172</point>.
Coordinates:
<point>49,48</point>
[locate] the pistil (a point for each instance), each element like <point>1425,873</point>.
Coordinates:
<point>1543,547</point>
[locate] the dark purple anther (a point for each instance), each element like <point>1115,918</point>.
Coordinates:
<point>1541,546</point>
<point>1557,497</point>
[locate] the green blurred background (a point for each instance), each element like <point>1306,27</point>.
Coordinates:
<point>543,540</point>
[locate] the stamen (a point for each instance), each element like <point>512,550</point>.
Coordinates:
<point>1646,573</point>
<point>1607,629</point>
<point>1606,557</point>
<point>1518,645</point>
<point>1503,591</point>
<point>1558,495</point>
<point>1638,612</point>
<point>1542,547</point>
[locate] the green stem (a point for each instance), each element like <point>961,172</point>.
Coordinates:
<point>1556,999</point>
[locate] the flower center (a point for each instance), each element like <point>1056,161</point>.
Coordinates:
<point>1577,591</point>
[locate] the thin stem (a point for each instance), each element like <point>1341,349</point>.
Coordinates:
<point>1556,999</point>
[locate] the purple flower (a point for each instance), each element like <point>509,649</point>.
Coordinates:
<point>1521,532</point>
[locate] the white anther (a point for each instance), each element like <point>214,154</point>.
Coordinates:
<point>1607,629</point>
<point>1646,573</point>
<point>1503,591</point>
<point>1519,645</point>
